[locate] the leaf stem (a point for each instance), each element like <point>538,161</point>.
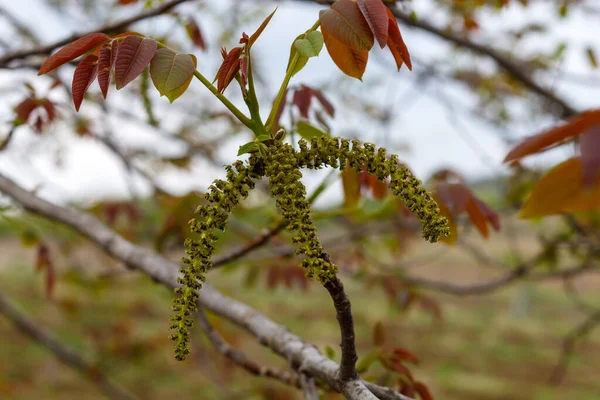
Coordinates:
<point>234,110</point>
<point>285,83</point>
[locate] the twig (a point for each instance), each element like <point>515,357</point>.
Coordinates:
<point>9,138</point>
<point>116,26</point>
<point>239,358</point>
<point>62,352</point>
<point>568,347</point>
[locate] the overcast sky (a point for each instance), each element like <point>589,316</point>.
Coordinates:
<point>436,137</point>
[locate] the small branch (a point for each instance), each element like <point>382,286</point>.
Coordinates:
<point>343,310</point>
<point>569,343</point>
<point>239,358</point>
<point>9,138</point>
<point>248,247</point>
<point>116,26</point>
<point>309,387</point>
<point>62,352</point>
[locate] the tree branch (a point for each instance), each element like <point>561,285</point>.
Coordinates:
<point>302,357</point>
<point>62,352</point>
<point>115,26</point>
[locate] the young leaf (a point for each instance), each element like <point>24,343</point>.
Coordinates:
<point>375,13</point>
<point>260,29</point>
<point>302,99</point>
<point>346,24</point>
<point>324,102</point>
<point>24,109</point>
<point>72,51</point>
<point>85,73</point>
<point>171,71</point>
<point>396,43</point>
<point>350,182</point>
<point>561,190</point>
<point>307,131</point>
<point>552,137</point>
<point>247,148</point>
<point>134,54</point>
<point>106,62</point>
<point>300,62</point>
<point>477,217</point>
<point>194,33</point>
<point>405,355</point>
<point>590,154</point>
<point>351,62</point>
<point>311,46</point>
<point>423,391</point>
<point>445,212</point>
<point>229,68</point>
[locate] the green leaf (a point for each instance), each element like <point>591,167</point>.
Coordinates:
<point>330,352</point>
<point>307,131</point>
<point>365,362</point>
<point>171,72</point>
<point>311,45</point>
<point>249,147</point>
<point>263,138</point>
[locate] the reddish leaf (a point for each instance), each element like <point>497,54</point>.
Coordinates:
<point>397,366</point>
<point>562,190</point>
<point>350,182</point>
<point>260,29</point>
<point>345,22</point>
<point>302,99</point>
<point>378,334</point>
<point>423,391</point>
<point>477,217</point>
<point>229,68</point>
<point>38,125</point>
<point>405,355</point>
<point>72,51</point>
<point>351,62</point>
<point>558,135</point>
<point>106,63</point>
<point>194,33</point>
<point>589,144</point>
<point>324,102</point>
<point>244,73</point>
<point>396,43</point>
<point>375,13</point>
<point>25,108</point>
<point>378,188</point>
<point>126,2</point>
<point>454,196</point>
<point>84,75</point>
<point>134,54</point>
<point>50,109</point>
<point>491,215</point>
<point>44,262</point>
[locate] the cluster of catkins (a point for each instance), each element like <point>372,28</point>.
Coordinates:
<point>282,165</point>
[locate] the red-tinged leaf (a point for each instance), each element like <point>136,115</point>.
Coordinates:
<point>229,69</point>
<point>491,215</point>
<point>555,136</point>
<point>378,188</point>
<point>396,43</point>
<point>260,29</point>
<point>589,144</point>
<point>84,75</point>
<point>324,102</point>
<point>375,13</point>
<point>350,182</point>
<point>170,71</point>
<point>423,391</point>
<point>454,196</point>
<point>194,33</point>
<point>38,125</point>
<point>302,99</point>
<point>345,23</point>
<point>405,355</point>
<point>134,54</point>
<point>44,263</point>
<point>351,62</point>
<point>378,334</point>
<point>477,217</point>
<point>72,51</point>
<point>50,109</point>
<point>397,366</point>
<point>24,109</point>
<point>106,62</point>
<point>562,191</point>
<point>406,389</point>
<point>126,2</point>
<point>279,112</point>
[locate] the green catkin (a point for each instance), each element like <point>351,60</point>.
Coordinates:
<point>281,164</point>
<point>223,196</point>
